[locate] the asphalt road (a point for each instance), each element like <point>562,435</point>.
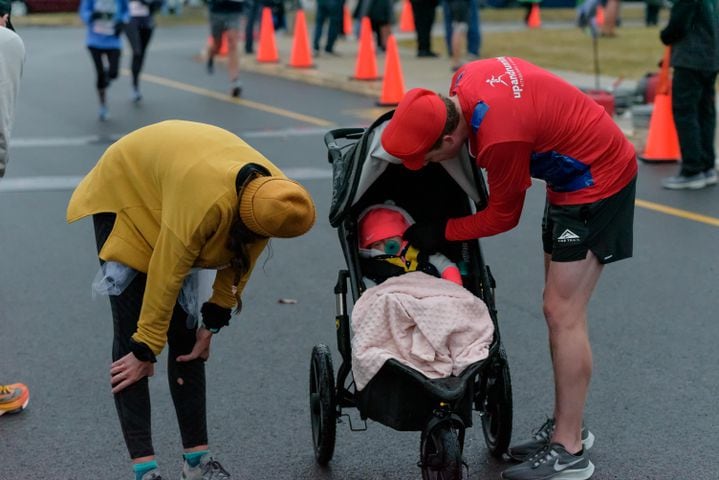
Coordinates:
<point>653,320</point>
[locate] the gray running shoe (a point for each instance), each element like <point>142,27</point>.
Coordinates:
<point>540,438</point>
<point>711,177</point>
<point>684,182</point>
<point>552,462</point>
<point>207,469</point>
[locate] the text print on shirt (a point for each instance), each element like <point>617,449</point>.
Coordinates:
<point>515,77</point>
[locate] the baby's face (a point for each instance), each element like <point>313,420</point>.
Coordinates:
<point>390,246</point>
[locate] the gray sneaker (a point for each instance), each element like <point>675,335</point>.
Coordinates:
<point>207,469</point>
<point>711,177</point>
<point>552,462</point>
<point>540,438</point>
<point>684,182</point>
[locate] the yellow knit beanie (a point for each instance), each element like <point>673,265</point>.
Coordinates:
<point>276,207</point>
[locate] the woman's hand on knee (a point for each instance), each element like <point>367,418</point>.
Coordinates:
<point>128,370</point>
<point>202,346</point>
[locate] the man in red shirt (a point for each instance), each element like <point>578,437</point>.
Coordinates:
<point>521,121</point>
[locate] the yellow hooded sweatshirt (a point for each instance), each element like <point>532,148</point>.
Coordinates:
<point>172,187</point>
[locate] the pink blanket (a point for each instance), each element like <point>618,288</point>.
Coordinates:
<point>432,325</point>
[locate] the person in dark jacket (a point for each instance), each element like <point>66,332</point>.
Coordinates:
<point>424,13</point>
<point>693,34</point>
<point>651,12</point>
<point>330,12</point>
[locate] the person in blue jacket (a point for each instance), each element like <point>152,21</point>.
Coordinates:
<point>105,20</point>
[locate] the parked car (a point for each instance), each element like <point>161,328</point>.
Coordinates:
<point>23,7</point>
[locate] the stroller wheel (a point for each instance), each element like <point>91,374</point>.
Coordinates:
<point>322,404</point>
<point>441,455</point>
<point>496,406</point>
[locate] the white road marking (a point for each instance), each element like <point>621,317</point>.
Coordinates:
<point>46,183</point>
<point>84,140</point>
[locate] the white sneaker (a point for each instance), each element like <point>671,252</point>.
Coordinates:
<point>683,182</point>
<point>711,177</point>
<point>207,469</point>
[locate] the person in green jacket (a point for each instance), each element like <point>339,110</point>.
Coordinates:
<point>166,199</point>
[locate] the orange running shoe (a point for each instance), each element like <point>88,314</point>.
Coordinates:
<point>13,398</point>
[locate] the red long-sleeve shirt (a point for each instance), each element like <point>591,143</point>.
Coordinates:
<point>534,124</point>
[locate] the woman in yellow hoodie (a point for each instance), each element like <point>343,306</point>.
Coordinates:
<point>165,199</point>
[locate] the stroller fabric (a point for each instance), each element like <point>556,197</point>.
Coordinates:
<point>431,325</point>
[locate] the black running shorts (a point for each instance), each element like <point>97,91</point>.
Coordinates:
<point>605,227</point>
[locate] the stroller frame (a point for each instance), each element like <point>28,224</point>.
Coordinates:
<point>399,396</point>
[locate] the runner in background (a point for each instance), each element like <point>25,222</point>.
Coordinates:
<point>105,20</point>
<point>139,31</point>
<point>225,20</point>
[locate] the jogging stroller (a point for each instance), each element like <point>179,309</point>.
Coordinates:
<point>398,396</point>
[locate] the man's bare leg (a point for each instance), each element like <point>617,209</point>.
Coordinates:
<point>233,62</point>
<point>568,288</point>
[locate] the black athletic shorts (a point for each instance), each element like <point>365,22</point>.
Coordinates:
<point>606,227</point>
<point>459,11</point>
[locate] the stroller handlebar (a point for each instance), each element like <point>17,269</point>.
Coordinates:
<point>331,137</point>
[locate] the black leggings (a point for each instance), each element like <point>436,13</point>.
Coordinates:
<point>139,34</point>
<point>186,379</point>
<point>105,74</point>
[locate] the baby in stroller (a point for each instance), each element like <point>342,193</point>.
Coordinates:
<point>381,228</point>
<point>412,313</point>
<point>407,319</point>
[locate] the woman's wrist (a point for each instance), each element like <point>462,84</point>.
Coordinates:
<point>211,330</point>
<point>142,352</point>
<point>214,317</point>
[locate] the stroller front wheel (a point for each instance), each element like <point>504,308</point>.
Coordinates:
<point>322,404</point>
<point>441,455</point>
<point>496,407</point>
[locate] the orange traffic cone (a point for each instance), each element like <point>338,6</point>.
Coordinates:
<point>300,56</point>
<point>662,140</point>
<point>406,18</point>
<point>267,53</point>
<point>366,65</point>
<point>535,19</point>
<point>346,21</point>
<point>223,45</point>
<point>393,84</point>
<point>599,17</point>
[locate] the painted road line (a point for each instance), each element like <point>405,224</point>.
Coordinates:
<point>84,140</point>
<point>677,212</point>
<point>55,183</point>
<point>38,184</point>
<point>64,141</point>
<point>34,184</point>
<point>237,101</point>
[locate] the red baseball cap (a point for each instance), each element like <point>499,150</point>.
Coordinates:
<point>415,126</point>
<point>379,224</point>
